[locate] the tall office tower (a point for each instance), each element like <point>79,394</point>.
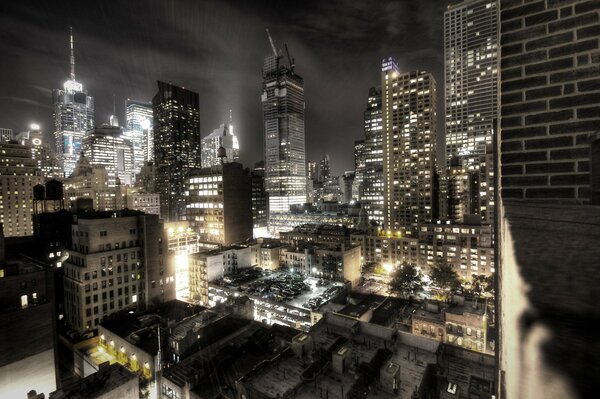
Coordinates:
<point>105,146</point>
<point>138,128</point>
<point>19,173</point>
<point>548,114</point>
<point>409,142</point>
<point>260,200</point>
<point>6,135</point>
<point>118,260</point>
<point>283,120</point>
<point>372,199</point>
<point>311,171</point>
<point>324,168</point>
<point>219,203</point>
<point>224,138</point>
<point>73,117</point>
<point>471,73</point>
<point>40,151</point>
<point>176,145</point>
<point>359,168</point>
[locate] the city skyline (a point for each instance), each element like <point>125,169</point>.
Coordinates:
<point>405,205</point>
<point>127,55</point>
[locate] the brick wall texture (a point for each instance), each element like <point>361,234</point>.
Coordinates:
<point>550,97</point>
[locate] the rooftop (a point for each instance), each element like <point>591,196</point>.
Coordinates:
<point>96,385</point>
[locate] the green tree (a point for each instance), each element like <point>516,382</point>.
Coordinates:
<point>445,278</point>
<point>406,280</point>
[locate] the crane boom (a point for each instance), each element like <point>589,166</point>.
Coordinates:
<point>290,59</point>
<point>272,43</point>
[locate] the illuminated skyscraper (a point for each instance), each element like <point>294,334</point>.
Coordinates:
<point>221,137</point>
<point>471,55</point>
<point>283,122</point>
<point>106,146</point>
<point>73,117</point>
<point>177,145</point>
<point>471,72</point>
<point>41,152</point>
<point>372,197</point>
<point>409,142</point>
<point>18,175</point>
<point>138,128</point>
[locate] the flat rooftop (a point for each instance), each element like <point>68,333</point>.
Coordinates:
<point>97,384</point>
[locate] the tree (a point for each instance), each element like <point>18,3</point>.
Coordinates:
<point>444,277</point>
<point>406,280</point>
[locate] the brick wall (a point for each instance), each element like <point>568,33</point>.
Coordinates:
<point>550,97</point>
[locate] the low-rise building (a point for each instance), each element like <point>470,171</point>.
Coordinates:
<point>468,248</point>
<point>461,323</point>
<point>28,358</point>
<point>110,381</point>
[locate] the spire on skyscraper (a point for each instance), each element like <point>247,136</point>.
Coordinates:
<point>72,54</point>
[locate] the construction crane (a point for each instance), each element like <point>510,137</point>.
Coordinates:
<point>290,59</point>
<point>272,43</point>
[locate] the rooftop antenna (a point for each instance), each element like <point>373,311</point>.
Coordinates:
<point>72,54</point>
<point>230,117</point>
<point>272,43</point>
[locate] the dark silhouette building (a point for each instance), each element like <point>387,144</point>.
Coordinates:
<point>176,145</point>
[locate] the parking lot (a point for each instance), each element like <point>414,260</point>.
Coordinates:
<point>283,286</point>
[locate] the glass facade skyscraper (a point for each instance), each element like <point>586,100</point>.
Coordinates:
<point>176,145</point>
<point>138,129</point>
<point>106,146</point>
<point>73,117</point>
<point>283,123</point>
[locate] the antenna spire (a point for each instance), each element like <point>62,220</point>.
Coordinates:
<point>230,117</point>
<point>72,54</point>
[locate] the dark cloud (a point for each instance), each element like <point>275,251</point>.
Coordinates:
<point>216,48</point>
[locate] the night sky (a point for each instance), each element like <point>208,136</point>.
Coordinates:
<point>217,48</point>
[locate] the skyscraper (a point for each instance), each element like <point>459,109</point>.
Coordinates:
<point>19,173</point>
<point>359,168</point>
<point>73,117</point>
<point>219,203</point>
<point>409,142</point>
<point>220,137</point>
<point>372,198</point>
<point>177,145</point>
<point>324,168</point>
<point>283,120</point>
<point>471,72</point>
<point>41,152</point>
<point>138,128</point>
<point>106,146</point>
